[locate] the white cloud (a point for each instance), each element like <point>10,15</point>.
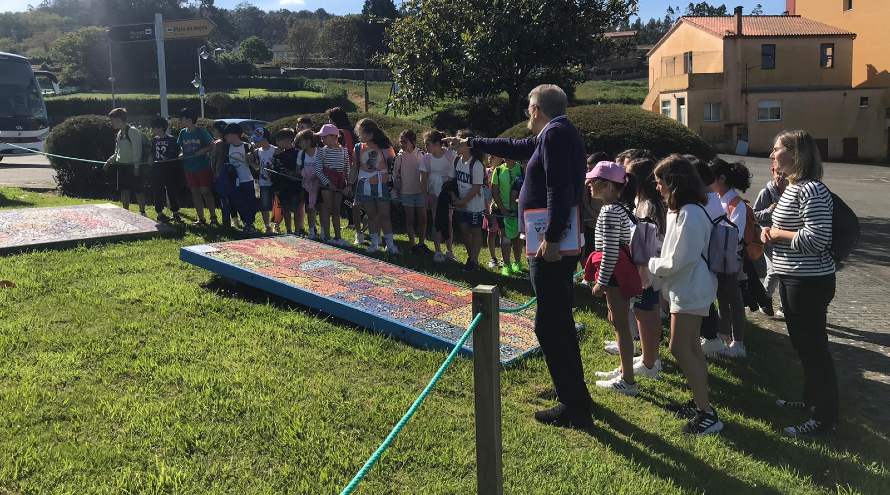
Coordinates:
<point>292,2</point>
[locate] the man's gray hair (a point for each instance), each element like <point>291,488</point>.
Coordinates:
<point>550,98</point>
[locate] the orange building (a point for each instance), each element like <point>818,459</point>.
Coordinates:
<point>868,19</point>
<point>739,80</point>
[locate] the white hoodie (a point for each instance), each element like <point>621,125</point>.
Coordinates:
<point>681,271</point>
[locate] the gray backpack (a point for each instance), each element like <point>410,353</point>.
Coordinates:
<point>644,243</point>
<point>723,250</point>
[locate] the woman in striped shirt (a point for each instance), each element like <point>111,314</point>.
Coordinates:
<point>609,183</point>
<point>801,238</point>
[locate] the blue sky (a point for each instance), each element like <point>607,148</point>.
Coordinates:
<point>648,8</point>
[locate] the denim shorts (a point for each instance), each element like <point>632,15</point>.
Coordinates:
<point>648,300</point>
<point>414,200</point>
<point>469,218</point>
<point>267,198</point>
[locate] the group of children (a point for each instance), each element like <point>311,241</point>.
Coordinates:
<point>652,230</point>
<point>672,235</point>
<point>299,177</point>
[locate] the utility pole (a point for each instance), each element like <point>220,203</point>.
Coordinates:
<point>162,64</point>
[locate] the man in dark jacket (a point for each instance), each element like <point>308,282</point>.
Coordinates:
<point>554,179</point>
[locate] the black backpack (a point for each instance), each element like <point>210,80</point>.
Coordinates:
<point>844,230</point>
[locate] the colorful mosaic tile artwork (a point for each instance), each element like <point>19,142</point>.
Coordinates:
<point>360,289</point>
<point>26,228</point>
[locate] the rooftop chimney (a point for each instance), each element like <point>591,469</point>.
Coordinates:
<point>738,21</point>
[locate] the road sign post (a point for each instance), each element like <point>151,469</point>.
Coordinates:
<point>162,63</point>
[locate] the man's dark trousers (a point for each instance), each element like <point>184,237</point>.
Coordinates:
<point>555,328</point>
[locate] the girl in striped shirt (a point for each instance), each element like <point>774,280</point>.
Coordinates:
<point>330,168</point>
<point>609,182</point>
<point>801,236</point>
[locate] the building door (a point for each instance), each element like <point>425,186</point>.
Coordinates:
<point>822,146</point>
<point>681,110</point>
<point>851,149</point>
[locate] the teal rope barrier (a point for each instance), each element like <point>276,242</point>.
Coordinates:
<point>530,301</point>
<point>84,160</point>
<point>411,410</point>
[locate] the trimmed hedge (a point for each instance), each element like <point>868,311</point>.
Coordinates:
<point>392,126</point>
<point>266,106</point>
<point>614,128</point>
<point>89,137</point>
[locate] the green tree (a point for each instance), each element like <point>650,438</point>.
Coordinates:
<point>83,57</point>
<point>341,39</point>
<point>477,49</point>
<point>302,37</point>
<point>254,50</point>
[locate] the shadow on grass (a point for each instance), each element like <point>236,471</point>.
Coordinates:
<point>692,473</point>
<point>6,202</point>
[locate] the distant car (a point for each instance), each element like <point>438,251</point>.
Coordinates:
<point>247,124</point>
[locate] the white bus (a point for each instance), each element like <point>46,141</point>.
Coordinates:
<point>23,118</point>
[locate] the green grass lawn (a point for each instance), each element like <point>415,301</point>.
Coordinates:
<point>630,92</point>
<point>125,370</point>
<point>237,93</point>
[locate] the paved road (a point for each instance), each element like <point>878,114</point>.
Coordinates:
<point>30,172</point>
<point>859,316</point>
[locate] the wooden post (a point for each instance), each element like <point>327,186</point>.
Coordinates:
<point>487,390</point>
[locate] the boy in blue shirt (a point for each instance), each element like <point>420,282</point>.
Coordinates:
<point>196,144</point>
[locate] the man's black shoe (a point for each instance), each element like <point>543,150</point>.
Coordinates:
<point>565,417</point>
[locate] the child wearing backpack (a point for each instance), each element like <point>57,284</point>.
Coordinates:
<point>802,238</point>
<point>646,308</point>
<point>610,268</point>
<point>764,205</point>
<point>683,274</point>
<point>729,179</point>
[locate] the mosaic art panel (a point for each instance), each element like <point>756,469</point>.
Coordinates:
<point>418,308</point>
<point>27,228</point>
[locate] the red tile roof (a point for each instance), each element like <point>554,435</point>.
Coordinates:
<point>766,26</point>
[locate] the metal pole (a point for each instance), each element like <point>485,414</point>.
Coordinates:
<point>111,76</point>
<point>487,391</point>
<point>162,63</point>
<point>365,73</point>
<point>200,86</point>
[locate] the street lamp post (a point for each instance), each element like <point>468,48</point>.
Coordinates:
<point>198,82</point>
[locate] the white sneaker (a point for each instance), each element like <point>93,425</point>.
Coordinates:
<point>640,369</point>
<point>734,351</point>
<point>780,315</point>
<point>712,347</point>
<point>608,375</point>
<point>611,347</point>
<point>439,258</point>
<point>493,264</point>
<point>618,384</point>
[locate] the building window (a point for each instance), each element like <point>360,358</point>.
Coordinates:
<point>767,57</point>
<point>848,4</point>
<point>769,110</point>
<point>712,112</point>
<point>687,63</point>
<point>826,59</point>
<point>863,101</point>
<point>666,108</point>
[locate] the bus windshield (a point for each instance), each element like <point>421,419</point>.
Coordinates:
<point>20,94</point>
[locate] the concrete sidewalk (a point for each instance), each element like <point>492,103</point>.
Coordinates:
<point>28,172</point>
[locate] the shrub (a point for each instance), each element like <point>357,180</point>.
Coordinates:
<point>614,128</point>
<point>90,137</point>
<point>264,106</point>
<point>391,125</point>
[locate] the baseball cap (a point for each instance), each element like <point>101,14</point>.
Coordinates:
<point>328,130</point>
<point>233,129</point>
<point>261,134</point>
<point>609,171</point>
